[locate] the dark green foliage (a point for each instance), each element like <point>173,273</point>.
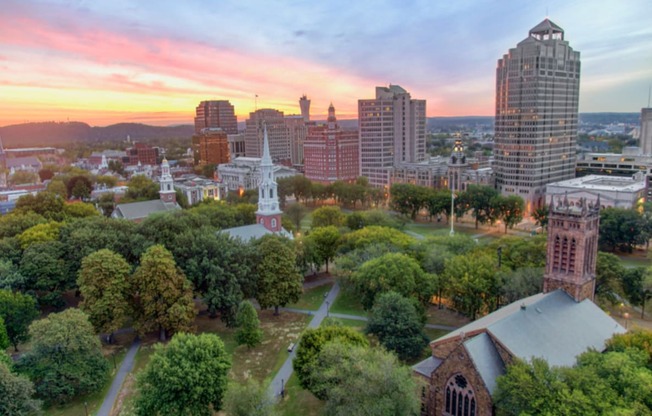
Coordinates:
<point>295,213</point>
<point>45,204</point>
<point>621,229</point>
<point>540,215</point>
<point>10,277</point>
<point>249,332</point>
<point>325,241</point>
<point>141,188</point>
<point>398,326</point>
<point>79,187</point>
<point>17,311</point>
<point>375,235</point>
<point>15,223</point>
<point>66,358</point>
<point>474,283</point>
<point>509,209</point>
<point>248,399</point>
<point>480,199</point>
<point>16,394</point>
<point>186,377</point>
<point>46,272</point>
<point>608,272</point>
<point>327,216</point>
<point>313,341</point>
<point>4,338</point>
<point>408,199</point>
<point>521,283</point>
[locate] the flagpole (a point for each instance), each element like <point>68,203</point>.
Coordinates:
<point>256,102</point>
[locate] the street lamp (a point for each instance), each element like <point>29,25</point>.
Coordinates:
<point>626,316</point>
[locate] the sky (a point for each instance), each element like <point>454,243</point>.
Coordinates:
<point>110,61</point>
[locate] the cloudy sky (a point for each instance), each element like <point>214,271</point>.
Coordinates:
<point>107,61</point>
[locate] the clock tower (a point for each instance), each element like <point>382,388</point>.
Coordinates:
<point>269,212</point>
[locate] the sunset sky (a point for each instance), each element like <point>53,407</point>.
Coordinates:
<point>109,61</point>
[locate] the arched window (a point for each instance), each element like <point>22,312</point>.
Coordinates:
<point>460,399</point>
<point>571,257</point>
<point>271,193</point>
<point>273,222</point>
<point>556,255</point>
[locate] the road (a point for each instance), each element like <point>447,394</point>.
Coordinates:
<point>125,368</point>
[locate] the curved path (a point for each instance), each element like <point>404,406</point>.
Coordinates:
<point>125,368</point>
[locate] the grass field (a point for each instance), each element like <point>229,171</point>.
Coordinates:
<point>348,303</point>
<point>299,402</point>
<point>312,298</point>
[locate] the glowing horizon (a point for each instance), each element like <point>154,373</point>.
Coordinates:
<point>104,63</point>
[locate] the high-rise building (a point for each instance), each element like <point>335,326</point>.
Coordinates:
<point>537,94</point>
<point>297,131</point>
<point>646,131</point>
<point>331,153</point>
<point>277,133</point>
<point>304,104</point>
<point>392,132</point>
<point>211,146</point>
<point>216,113</point>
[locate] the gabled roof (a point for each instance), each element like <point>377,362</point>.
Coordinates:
<point>138,210</point>
<point>546,25</point>
<point>427,366</point>
<point>252,232</point>
<point>551,326</point>
<point>484,355</point>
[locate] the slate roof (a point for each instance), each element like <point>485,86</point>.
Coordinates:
<point>253,232</point>
<point>139,210</point>
<point>427,366</point>
<point>484,355</point>
<point>18,162</point>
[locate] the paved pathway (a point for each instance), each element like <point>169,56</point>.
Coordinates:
<point>286,370</point>
<point>125,368</point>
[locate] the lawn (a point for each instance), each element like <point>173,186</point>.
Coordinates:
<point>444,316</point>
<point>636,259</point>
<point>348,303</point>
<point>90,402</point>
<point>297,401</point>
<point>312,298</point>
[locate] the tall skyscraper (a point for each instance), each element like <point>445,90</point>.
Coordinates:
<point>216,113</point>
<point>304,104</point>
<point>392,131</point>
<point>277,133</point>
<point>537,94</point>
<point>645,140</point>
<point>297,130</point>
<point>211,146</point>
<point>331,153</point>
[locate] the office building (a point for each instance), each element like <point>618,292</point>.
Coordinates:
<point>331,153</point>
<point>304,104</point>
<point>646,131</point>
<point>537,94</point>
<point>392,132</point>
<point>210,146</point>
<point>216,113</point>
<point>277,131</point>
<point>297,131</point>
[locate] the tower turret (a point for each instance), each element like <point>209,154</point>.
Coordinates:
<point>167,192</point>
<point>456,165</point>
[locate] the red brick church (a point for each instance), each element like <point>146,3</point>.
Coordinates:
<point>557,325</point>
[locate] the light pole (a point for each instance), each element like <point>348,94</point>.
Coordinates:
<point>452,233</point>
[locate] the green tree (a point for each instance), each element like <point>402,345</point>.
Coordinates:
<point>4,338</point>
<point>106,202</point>
<point>16,394</point>
<point>313,341</point>
<point>117,167</point>
<point>621,229</point>
<point>521,283</point>
<point>66,358</point>
<point>23,177</point>
<point>479,199</point>
<point>249,332</point>
<point>608,272</point>
<point>79,187</point>
<point>80,210</point>
<point>396,322</point>
<point>632,282</point>
<point>46,204</point>
<point>46,272</point>
<point>58,187</point>
<point>374,235</point>
<point>106,181</point>
<point>509,209</point>
<point>295,212</point>
<point>104,285</point>
<point>141,188</point>
<point>356,380</point>
<point>248,399</point>
<point>328,215</point>
<point>40,233</point>
<point>186,377</point>
<point>165,301</point>
<point>326,241</point>
<point>408,199</point>
<point>474,283</point>
<point>17,311</point>
<point>396,272</point>
<point>540,215</point>
<point>279,281</point>
<point>15,223</point>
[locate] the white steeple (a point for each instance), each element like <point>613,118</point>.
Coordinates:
<point>269,212</point>
<point>167,192</point>
<point>104,164</point>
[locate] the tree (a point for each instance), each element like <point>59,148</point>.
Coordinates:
<point>164,296</point>
<point>632,282</point>
<point>396,272</point>
<point>46,204</point>
<point>80,210</point>
<point>40,233</point>
<point>106,202</point>
<point>248,399</point>
<point>356,380</point>
<point>479,199</point>
<point>540,215</point>
<point>408,199</point>
<point>295,212</point>
<point>79,187</point>
<point>374,235</point>
<point>328,215</point>
<point>45,174</point>
<point>313,341</point>
<point>279,281</point>
<point>474,283</point>
<point>397,324</point>
<point>638,338</point>
<point>621,229</point>
<point>15,223</point>
<point>608,272</point>
<point>249,332</point>
<point>104,285</point>
<point>326,241</point>
<point>22,177</point>
<point>17,311</point>
<point>46,272</point>
<point>521,283</point>
<point>141,188</point>
<point>16,394</point>
<point>4,338</point>
<point>58,187</point>
<point>66,358</point>
<point>510,209</point>
<point>186,377</point>
<point>116,167</point>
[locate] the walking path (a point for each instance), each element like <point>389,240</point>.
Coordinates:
<point>278,383</point>
<point>125,368</point>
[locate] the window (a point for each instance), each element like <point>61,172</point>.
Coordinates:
<point>273,222</point>
<point>459,400</point>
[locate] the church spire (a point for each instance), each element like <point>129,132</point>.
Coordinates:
<point>267,159</point>
<point>269,212</point>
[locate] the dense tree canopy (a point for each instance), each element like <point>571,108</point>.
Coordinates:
<point>325,241</point>
<point>17,312</point>
<point>186,377</point>
<point>249,332</point>
<point>248,399</point>
<point>16,394</point>
<point>327,216</point>
<point>621,229</point>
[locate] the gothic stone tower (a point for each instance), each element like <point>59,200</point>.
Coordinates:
<point>572,247</point>
<point>167,192</point>
<point>456,165</point>
<point>269,212</point>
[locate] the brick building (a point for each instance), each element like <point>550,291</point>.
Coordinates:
<point>216,114</point>
<point>210,146</point>
<point>143,154</point>
<point>556,325</point>
<point>331,153</point>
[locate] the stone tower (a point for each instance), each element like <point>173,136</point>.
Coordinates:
<point>269,212</point>
<point>167,192</point>
<point>572,247</point>
<point>456,165</point>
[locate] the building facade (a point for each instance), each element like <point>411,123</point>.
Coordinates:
<point>297,131</point>
<point>142,154</point>
<point>211,146</point>
<point>537,95</point>
<point>214,114</point>
<point>304,104</point>
<point>645,139</point>
<point>277,132</point>
<point>613,191</point>
<point>456,167</point>
<point>331,153</point>
<point>392,132</point>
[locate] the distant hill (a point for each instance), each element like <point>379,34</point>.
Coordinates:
<point>610,118</point>
<point>53,133</point>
